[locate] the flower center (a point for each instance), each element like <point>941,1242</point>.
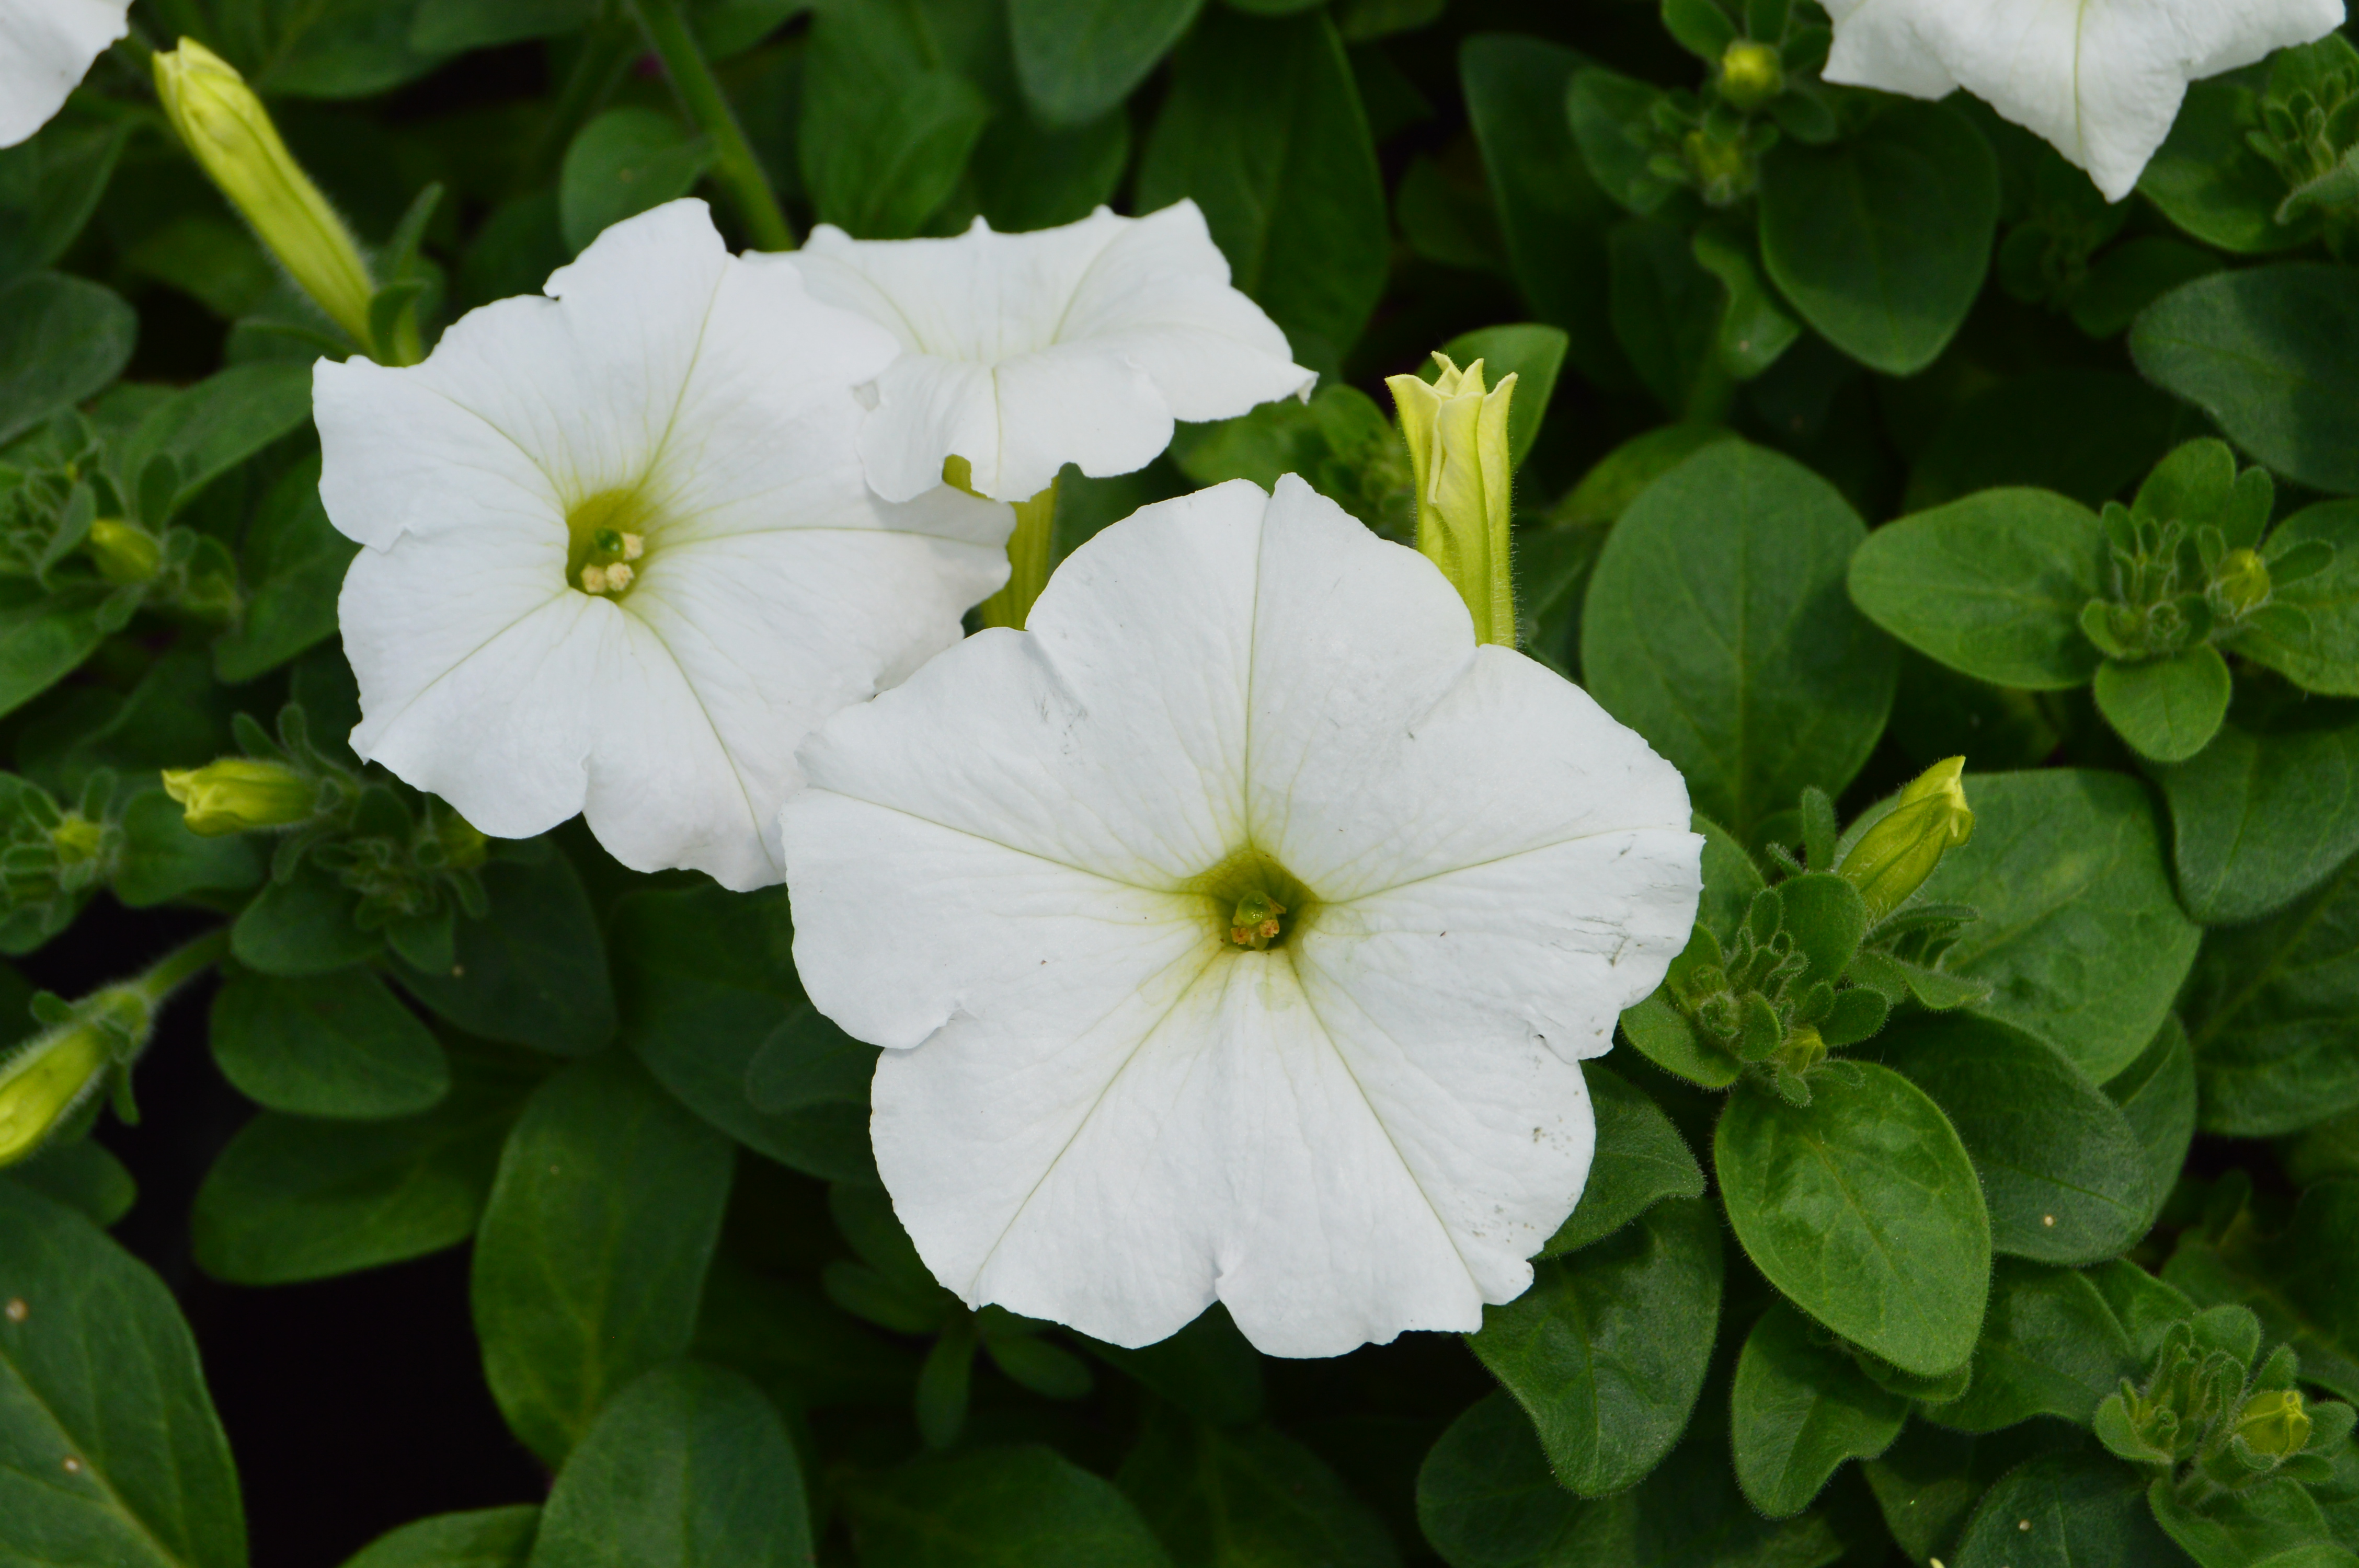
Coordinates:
<point>606,537</point>
<point>1255,903</point>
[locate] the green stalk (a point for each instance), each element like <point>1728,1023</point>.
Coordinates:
<point>733,162</point>
<point>1027,561</point>
<point>181,965</point>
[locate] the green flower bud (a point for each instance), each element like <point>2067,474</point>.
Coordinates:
<point>44,1081</point>
<point>2274,1423</point>
<point>1893,859</point>
<point>1751,74</point>
<point>124,553</point>
<point>229,134</point>
<point>237,794</point>
<point>1457,434</point>
<point>2243,583</point>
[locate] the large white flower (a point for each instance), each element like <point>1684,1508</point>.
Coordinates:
<point>621,558</point>
<point>1234,932</point>
<point>1024,352</point>
<point>46,47</point>
<point>2102,79</point>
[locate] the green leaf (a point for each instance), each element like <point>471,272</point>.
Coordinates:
<point>711,1006</point>
<point>43,638</point>
<point>2089,434</point>
<point>1208,1369</point>
<point>488,1538</point>
<point>345,50</point>
<point>1606,1352</point>
<point>2321,655</point>
<point>84,1176</point>
<point>210,428</point>
<point>303,926</point>
<point>115,1455</point>
<point>1882,241</point>
<point>2297,1284</point>
<point>2157,1094</point>
<point>1640,1160</point>
<point>1928,1482</point>
<point>996,1507</point>
<point>1863,1208</point>
<point>294,1198</point>
<point>2081,939</point>
<point>1030,178</point>
<point>452,26</point>
<point>2208,178</point>
<point>1716,626</point>
<point>61,340</point>
<point>1080,58</point>
<point>2277,1524</point>
<point>687,1466</point>
<point>592,1251</point>
<point>1551,212</point>
<point>2133,274</point>
<point>533,972</point>
<point>2168,709</point>
<point>2064,1174</point>
<point>1533,354</point>
<point>2273,1014</point>
<point>2264,816</point>
<point>163,860</point>
<point>888,125</point>
<point>1665,309</point>
<point>1263,127</point>
<point>619,165</point>
<point>50,185</point>
<point>2049,1346</point>
<point>2081,1508</point>
<point>1801,1407</point>
<point>1991,585</point>
<point>2257,351</point>
<point>292,563</point>
<point>1226,1499</point>
<point>332,1045</point>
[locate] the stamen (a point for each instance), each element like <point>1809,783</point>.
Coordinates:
<point>593,579</point>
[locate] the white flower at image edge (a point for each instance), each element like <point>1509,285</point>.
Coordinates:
<point>1235,932</point>
<point>1022,352</point>
<point>2101,80</point>
<point>620,555</point>
<point>46,48</point>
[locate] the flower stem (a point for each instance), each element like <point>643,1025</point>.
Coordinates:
<point>733,162</point>
<point>176,969</point>
<point>1027,561</point>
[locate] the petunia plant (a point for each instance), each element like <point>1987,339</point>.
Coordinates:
<point>1175,783</point>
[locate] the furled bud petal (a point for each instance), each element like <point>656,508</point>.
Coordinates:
<point>237,794</point>
<point>1457,434</point>
<point>2274,1423</point>
<point>124,554</point>
<point>1893,859</point>
<point>229,134</point>
<point>1751,73</point>
<point>44,1081</point>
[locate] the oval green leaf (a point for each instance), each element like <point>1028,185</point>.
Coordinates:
<point>1800,1408</point>
<point>334,1045</point>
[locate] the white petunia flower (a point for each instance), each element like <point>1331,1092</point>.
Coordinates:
<point>1024,352</point>
<point>46,48</point>
<point>2101,80</point>
<point>621,558</point>
<point>1234,931</point>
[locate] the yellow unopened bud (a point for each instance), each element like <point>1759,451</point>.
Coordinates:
<point>124,554</point>
<point>1751,73</point>
<point>229,134</point>
<point>1893,859</point>
<point>237,794</point>
<point>2243,583</point>
<point>1457,434</point>
<point>44,1080</point>
<point>2274,1423</point>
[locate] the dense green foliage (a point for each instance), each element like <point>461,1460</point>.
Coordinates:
<point>2016,1225</point>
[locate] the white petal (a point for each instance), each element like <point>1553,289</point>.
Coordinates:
<point>775,586</point>
<point>2101,80</point>
<point>1101,1110</point>
<point>46,48</point>
<point>1022,352</point>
